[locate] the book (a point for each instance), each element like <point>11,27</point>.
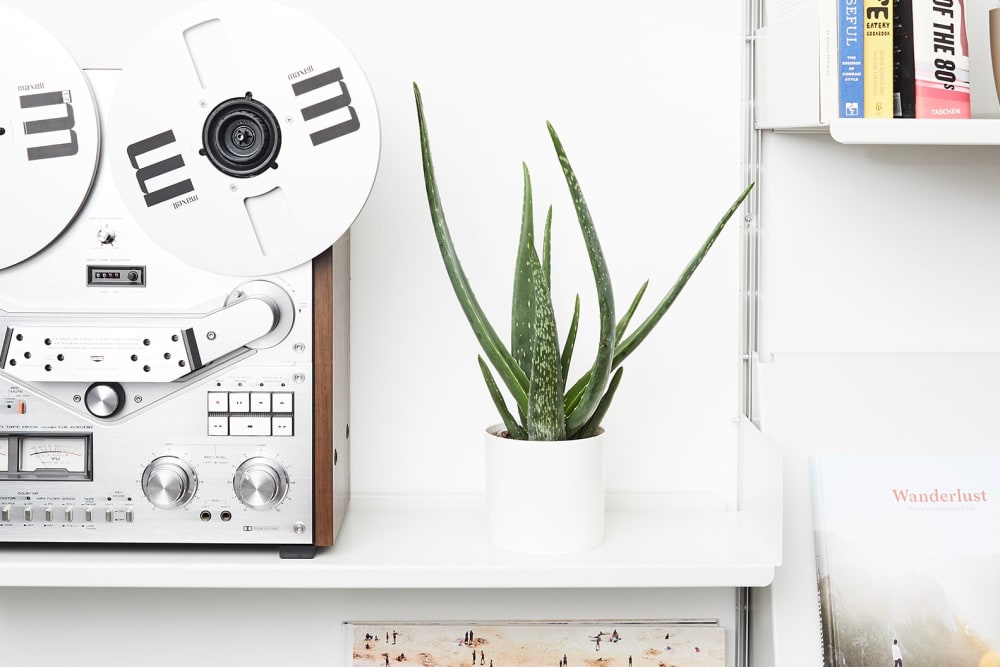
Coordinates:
<point>827,61</point>
<point>908,558</point>
<point>619,643</point>
<point>877,45</point>
<point>903,73</point>
<point>850,69</point>
<point>941,59</point>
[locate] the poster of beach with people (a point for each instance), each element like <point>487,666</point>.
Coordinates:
<point>539,644</point>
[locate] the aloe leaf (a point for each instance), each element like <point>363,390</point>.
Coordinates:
<point>522,308</point>
<point>627,346</point>
<point>567,353</point>
<point>575,393</point>
<point>515,379</point>
<point>546,415</point>
<point>600,371</point>
<point>547,250</point>
<point>627,317</point>
<point>589,429</point>
<point>515,430</point>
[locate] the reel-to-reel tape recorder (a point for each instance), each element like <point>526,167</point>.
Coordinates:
<point>174,281</point>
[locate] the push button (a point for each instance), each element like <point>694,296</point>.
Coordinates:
<point>218,401</point>
<point>281,402</point>
<point>249,426</point>
<point>260,402</point>
<point>239,402</point>
<point>281,426</point>
<point>218,425</point>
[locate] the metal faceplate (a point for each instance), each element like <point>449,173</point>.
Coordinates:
<point>77,440</point>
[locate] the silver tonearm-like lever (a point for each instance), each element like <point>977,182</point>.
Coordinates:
<point>86,348</point>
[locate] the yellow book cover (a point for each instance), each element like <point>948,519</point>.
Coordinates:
<point>878,58</point>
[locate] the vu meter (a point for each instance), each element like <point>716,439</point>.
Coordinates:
<point>45,457</point>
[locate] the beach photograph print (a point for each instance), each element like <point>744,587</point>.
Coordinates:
<point>543,644</point>
<point>908,559</point>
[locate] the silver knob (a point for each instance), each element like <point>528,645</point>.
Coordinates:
<point>260,483</point>
<point>169,482</point>
<point>104,399</point>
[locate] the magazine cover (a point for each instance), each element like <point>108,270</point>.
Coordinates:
<point>908,559</point>
<point>694,643</point>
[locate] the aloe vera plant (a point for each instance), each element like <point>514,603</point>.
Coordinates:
<point>534,369</point>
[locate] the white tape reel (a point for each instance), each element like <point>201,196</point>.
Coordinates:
<point>50,137</point>
<point>244,137</point>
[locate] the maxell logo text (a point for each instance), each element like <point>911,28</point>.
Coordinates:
<point>184,202</point>
<point>30,86</point>
<point>300,73</point>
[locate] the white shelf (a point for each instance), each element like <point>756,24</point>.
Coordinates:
<point>441,542</point>
<point>431,543</point>
<point>925,131</point>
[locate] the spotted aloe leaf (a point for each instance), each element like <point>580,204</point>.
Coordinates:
<point>625,347</point>
<point>570,344</point>
<point>600,370</point>
<point>546,419</point>
<point>576,393</point>
<point>512,375</point>
<point>589,429</point>
<point>522,307</point>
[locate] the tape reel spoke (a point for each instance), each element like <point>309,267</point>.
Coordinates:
<point>245,126</point>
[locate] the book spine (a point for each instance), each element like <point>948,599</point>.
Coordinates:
<point>941,59</point>
<point>877,42</point>
<point>903,73</point>
<point>827,61</point>
<point>850,70</point>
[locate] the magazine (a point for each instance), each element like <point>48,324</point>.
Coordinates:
<point>908,558</point>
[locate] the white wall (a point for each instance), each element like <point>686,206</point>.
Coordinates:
<point>647,101</point>
<point>880,325</point>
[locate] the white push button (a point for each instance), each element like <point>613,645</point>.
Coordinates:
<point>260,402</point>
<point>249,426</point>
<point>28,513</point>
<point>48,514</point>
<point>218,425</point>
<point>218,401</point>
<point>68,515</point>
<point>281,426</point>
<point>5,514</point>
<point>281,402</point>
<point>239,402</point>
<point>88,515</point>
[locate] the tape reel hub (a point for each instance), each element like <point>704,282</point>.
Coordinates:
<point>241,137</point>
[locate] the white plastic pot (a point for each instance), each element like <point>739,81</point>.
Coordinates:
<point>544,497</point>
